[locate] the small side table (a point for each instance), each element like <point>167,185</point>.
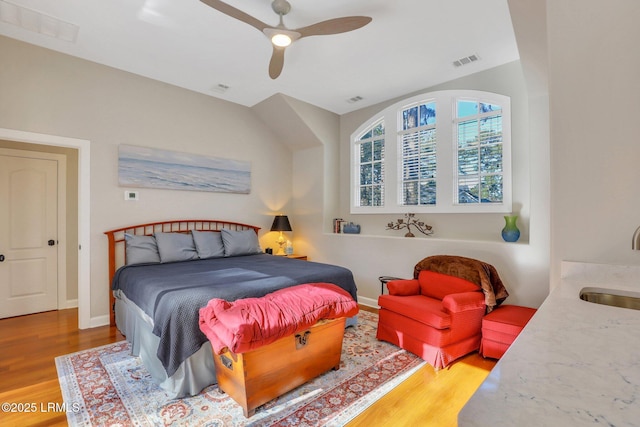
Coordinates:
<point>297,256</point>
<point>385,279</point>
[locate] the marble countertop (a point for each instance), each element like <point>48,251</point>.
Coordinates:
<point>576,363</point>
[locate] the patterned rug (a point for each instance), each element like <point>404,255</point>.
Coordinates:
<point>106,386</point>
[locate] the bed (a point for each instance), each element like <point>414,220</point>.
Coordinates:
<point>162,273</point>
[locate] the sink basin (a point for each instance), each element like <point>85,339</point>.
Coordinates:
<point>613,297</point>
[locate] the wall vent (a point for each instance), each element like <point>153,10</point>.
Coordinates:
<point>37,22</point>
<point>466,60</point>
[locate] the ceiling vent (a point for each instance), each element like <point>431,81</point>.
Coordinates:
<point>37,22</point>
<point>466,60</point>
<point>355,99</point>
<point>220,88</point>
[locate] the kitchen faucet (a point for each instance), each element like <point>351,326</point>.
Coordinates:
<point>635,241</point>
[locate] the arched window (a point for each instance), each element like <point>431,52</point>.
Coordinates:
<point>451,152</point>
<point>418,155</point>
<point>370,163</point>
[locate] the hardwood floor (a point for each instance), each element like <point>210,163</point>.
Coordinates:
<point>29,345</point>
<point>428,398</point>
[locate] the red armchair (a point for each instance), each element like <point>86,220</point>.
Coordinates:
<point>436,316</point>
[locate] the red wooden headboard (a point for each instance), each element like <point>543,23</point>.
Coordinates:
<point>117,248</point>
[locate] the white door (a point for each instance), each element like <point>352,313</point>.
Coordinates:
<point>28,235</point>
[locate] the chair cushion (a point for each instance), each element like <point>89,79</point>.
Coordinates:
<point>464,301</point>
<point>403,287</point>
<point>418,307</point>
<point>438,285</point>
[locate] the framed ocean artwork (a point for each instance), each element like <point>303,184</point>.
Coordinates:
<point>153,168</point>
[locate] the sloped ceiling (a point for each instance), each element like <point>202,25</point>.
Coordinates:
<point>281,116</point>
<point>408,46</point>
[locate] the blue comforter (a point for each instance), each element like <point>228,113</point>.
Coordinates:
<point>173,293</point>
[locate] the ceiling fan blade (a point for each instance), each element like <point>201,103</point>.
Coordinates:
<point>334,26</point>
<point>277,62</point>
<point>235,13</point>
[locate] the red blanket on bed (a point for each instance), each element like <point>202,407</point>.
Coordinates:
<point>249,323</point>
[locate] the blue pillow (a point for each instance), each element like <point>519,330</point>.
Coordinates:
<point>243,242</point>
<point>208,244</point>
<point>140,249</point>
<point>176,247</point>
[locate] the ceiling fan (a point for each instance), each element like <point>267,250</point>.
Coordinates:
<point>281,36</point>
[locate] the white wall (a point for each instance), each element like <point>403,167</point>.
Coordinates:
<point>51,93</point>
<point>505,80</point>
<point>590,164</point>
<point>581,66</point>
<point>524,267</point>
<point>594,88</point>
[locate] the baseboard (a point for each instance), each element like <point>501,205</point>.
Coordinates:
<point>99,321</point>
<point>70,303</point>
<point>369,302</point>
<point>94,322</point>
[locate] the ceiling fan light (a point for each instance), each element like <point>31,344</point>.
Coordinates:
<point>281,40</point>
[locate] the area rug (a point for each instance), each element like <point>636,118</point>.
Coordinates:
<point>106,386</point>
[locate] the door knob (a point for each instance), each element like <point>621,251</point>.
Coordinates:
<point>51,242</point>
<point>1,258</point>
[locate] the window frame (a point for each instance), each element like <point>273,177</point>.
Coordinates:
<point>356,155</point>
<point>446,156</point>
<point>416,130</point>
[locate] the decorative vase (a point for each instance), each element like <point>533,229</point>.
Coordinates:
<point>510,232</point>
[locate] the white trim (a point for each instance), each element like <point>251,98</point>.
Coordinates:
<point>99,321</point>
<point>446,195</point>
<point>369,302</point>
<point>355,161</point>
<point>72,303</point>
<point>84,210</point>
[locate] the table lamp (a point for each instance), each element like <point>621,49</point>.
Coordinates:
<point>281,223</point>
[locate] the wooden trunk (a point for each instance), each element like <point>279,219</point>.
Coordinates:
<point>258,376</point>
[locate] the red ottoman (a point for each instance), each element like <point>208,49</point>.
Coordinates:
<point>501,327</point>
